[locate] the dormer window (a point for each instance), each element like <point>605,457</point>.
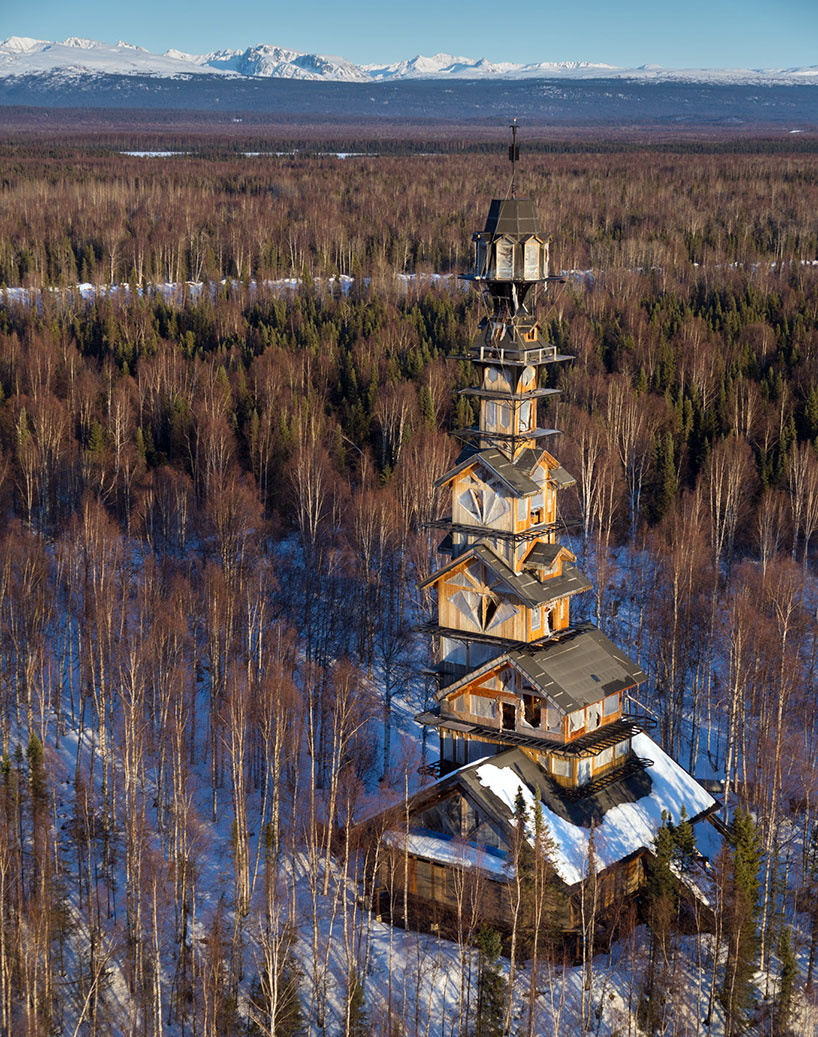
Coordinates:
<point>504,250</point>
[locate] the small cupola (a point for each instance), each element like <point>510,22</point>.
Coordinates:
<point>512,247</point>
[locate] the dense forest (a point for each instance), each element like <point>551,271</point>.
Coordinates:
<point>216,467</point>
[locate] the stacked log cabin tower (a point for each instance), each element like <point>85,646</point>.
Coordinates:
<point>513,670</point>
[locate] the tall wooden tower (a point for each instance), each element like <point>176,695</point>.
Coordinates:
<point>531,705</point>
<point>512,669</point>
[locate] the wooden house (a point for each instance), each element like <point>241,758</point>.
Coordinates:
<point>527,699</point>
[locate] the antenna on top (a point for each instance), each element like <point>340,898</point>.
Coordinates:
<point>513,152</point>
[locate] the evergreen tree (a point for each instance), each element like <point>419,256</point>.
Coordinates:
<point>357,1022</point>
<point>786,982</point>
<point>289,1015</point>
<point>491,987</point>
<point>661,907</point>
<point>741,911</point>
<point>667,483</point>
<point>674,849</point>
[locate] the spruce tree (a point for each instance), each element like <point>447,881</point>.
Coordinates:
<point>741,910</point>
<point>786,982</point>
<point>491,987</point>
<point>661,908</point>
<point>674,850</point>
<point>357,1022</point>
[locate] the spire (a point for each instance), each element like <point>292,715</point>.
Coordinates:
<point>513,154</point>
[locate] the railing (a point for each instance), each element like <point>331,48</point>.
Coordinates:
<point>633,765</point>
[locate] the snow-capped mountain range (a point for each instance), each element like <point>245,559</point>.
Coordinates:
<point>76,58</point>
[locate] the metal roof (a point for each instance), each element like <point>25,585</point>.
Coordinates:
<point>570,581</point>
<point>580,812</point>
<point>520,484</point>
<point>562,478</point>
<point>512,216</point>
<point>578,670</point>
<point>573,669</point>
<point>544,555</point>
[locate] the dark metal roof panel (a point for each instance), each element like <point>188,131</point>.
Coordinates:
<point>562,478</point>
<point>502,466</point>
<point>498,464</point>
<point>544,555</point>
<point>526,461</point>
<point>579,669</point>
<point>512,216</point>
<point>570,581</point>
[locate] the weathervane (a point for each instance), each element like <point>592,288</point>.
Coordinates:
<point>513,152</point>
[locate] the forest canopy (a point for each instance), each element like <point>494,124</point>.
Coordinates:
<point>216,468</point>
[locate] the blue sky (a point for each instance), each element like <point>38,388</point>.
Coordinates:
<point>695,33</point>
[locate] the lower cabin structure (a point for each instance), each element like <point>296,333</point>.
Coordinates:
<point>532,708</point>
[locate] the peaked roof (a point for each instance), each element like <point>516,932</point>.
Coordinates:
<point>626,814</point>
<point>544,555</point>
<point>517,474</point>
<point>512,216</point>
<point>520,483</point>
<point>572,670</point>
<point>579,669</point>
<point>522,585</point>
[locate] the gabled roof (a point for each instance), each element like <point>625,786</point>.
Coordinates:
<point>515,475</point>
<point>520,484</point>
<point>626,814</point>
<point>544,555</point>
<point>579,669</point>
<point>523,585</point>
<point>570,670</point>
<point>529,458</point>
<point>562,478</point>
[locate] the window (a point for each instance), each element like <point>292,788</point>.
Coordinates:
<point>452,651</point>
<point>611,704</point>
<point>483,707</point>
<point>492,376</point>
<point>561,766</point>
<point>603,759</point>
<point>532,260</point>
<point>461,704</point>
<point>576,721</point>
<point>623,748</point>
<point>532,710</point>
<point>536,618</point>
<point>526,410</point>
<point>505,258</point>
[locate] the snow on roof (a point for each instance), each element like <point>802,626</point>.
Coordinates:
<point>625,828</point>
<point>449,851</point>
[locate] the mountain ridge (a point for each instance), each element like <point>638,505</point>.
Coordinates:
<point>75,57</point>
